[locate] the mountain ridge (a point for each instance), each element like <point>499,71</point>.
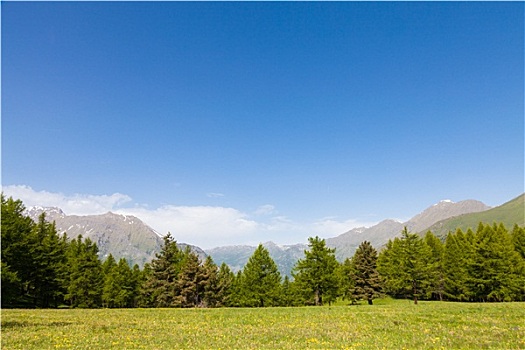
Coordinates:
<point>123,236</point>
<point>379,234</point>
<point>509,213</point>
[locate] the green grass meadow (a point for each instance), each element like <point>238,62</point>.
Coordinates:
<point>388,324</point>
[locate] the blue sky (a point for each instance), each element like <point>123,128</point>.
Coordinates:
<point>245,122</point>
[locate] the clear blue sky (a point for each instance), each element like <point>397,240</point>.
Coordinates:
<point>284,115</point>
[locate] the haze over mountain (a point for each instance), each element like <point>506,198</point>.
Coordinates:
<point>285,256</point>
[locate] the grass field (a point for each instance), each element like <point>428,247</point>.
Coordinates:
<point>387,325</point>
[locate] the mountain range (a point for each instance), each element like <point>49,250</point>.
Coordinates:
<point>128,237</point>
<point>378,235</point>
<point>123,236</point>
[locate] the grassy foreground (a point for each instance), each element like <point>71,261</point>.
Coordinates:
<point>387,325</point>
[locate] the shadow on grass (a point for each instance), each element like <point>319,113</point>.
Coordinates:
<point>24,324</point>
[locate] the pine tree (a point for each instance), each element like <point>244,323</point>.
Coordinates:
<point>404,265</point>
<point>316,273</point>
<point>119,285</point>
<point>436,273</point>
<point>415,263</point>
<point>85,274</point>
<point>225,283</point>
<point>190,290</point>
<point>160,287</point>
<point>11,286</point>
<point>367,284</point>
<point>388,262</point>
<point>137,278</point>
<point>124,276</point>
<point>345,273</point>
<point>287,293</point>
<point>48,255</point>
<point>111,287</point>
<point>499,272</point>
<point>210,283</point>
<point>518,239</point>
<point>457,265</point>
<point>17,262</point>
<point>236,295</point>
<point>261,280</point>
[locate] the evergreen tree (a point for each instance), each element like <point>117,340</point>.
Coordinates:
<point>236,296</point>
<point>287,293</point>
<point>457,266</point>
<point>345,274</point>
<point>518,239</point>
<point>316,273</point>
<point>189,286</point>
<point>388,263</point>
<point>85,274</point>
<point>111,287</point>
<point>119,285</point>
<point>367,284</point>
<point>415,263</point>
<point>109,264</point>
<point>210,283</point>
<point>261,280</point>
<point>11,286</point>
<point>404,263</point>
<point>160,287</point>
<point>48,256</point>
<point>144,297</point>
<point>499,267</point>
<point>225,282</point>
<point>124,275</point>
<point>137,278</point>
<point>436,275</point>
<point>17,262</point>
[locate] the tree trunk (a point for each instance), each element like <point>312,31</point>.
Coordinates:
<point>370,302</point>
<point>414,284</point>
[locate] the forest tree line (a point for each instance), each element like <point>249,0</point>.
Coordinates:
<point>40,268</point>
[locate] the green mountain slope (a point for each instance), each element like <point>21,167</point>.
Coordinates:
<point>510,213</point>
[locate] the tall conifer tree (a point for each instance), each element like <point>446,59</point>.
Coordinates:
<point>367,283</point>
<point>85,274</point>
<point>160,287</point>
<point>261,280</point>
<point>316,273</point>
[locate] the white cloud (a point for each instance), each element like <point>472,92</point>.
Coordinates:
<point>77,204</point>
<point>214,195</point>
<point>266,209</point>
<point>204,226</point>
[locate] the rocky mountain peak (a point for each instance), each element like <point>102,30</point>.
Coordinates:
<point>123,236</point>
<point>443,210</point>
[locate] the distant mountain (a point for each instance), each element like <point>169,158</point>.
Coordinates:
<point>237,256</point>
<point>286,256</point>
<point>123,236</point>
<point>443,210</point>
<point>509,213</point>
<point>378,235</point>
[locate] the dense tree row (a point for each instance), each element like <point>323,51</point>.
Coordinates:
<point>43,269</point>
<point>486,265</point>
